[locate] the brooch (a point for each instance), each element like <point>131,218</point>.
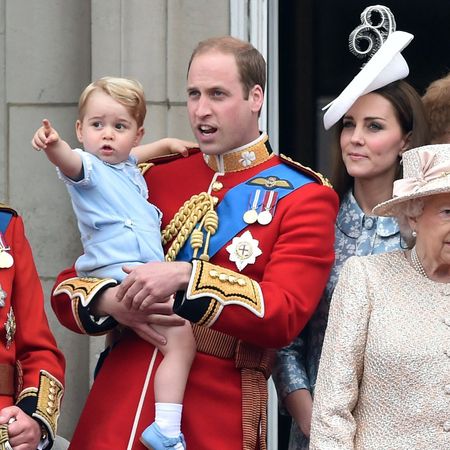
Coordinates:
<point>10,327</point>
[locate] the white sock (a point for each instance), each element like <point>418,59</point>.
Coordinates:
<point>168,418</point>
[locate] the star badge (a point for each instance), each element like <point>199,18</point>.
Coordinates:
<point>244,250</point>
<point>10,327</point>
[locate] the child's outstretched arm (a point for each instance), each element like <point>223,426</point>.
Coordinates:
<point>162,147</point>
<point>57,150</point>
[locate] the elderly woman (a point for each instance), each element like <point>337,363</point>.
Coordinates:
<point>384,375</point>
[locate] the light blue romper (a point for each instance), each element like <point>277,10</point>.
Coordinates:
<point>118,225</point>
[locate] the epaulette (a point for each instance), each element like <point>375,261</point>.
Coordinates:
<point>306,170</point>
<point>7,208</point>
<point>143,167</point>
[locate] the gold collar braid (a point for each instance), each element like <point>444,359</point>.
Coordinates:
<point>195,214</point>
<point>242,158</point>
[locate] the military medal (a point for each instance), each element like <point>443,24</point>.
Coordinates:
<point>2,297</point>
<point>6,260</point>
<point>244,250</point>
<point>265,216</point>
<point>251,216</point>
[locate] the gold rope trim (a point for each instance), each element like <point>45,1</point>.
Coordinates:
<point>49,401</point>
<point>4,437</point>
<point>143,167</point>
<point>317,175</point>
<point>198,212</point>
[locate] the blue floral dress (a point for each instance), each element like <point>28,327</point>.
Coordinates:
<point>297,364</point>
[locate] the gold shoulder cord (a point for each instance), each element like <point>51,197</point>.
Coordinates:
<point>195,214</point>
<point>318,175</point>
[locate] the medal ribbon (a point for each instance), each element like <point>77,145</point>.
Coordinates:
<point>233,206</point>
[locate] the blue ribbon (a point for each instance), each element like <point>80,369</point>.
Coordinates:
<point>5,218</point>
<point>235,203</point>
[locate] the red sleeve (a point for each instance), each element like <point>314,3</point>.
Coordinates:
<point>62,303</point>
<point>29,344</point>
<point>36,348</point>
<point>71,298</point>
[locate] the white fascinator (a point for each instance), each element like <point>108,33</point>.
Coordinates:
<point>376,38</point>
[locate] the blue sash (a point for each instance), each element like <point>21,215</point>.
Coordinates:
<point>235,203</point>
<point>5,218</point>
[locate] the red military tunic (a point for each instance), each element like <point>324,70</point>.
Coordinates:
<point>31,366</point>
<point>244,315</point>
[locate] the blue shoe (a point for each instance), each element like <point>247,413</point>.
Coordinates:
<point>153,439</point>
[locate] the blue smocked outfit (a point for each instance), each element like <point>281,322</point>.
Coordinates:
<point>356,234</point>
<point>118,225</point>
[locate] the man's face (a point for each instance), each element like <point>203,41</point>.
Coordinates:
<point>220,117</point>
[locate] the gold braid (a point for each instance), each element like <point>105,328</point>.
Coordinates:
<point>4,437</point>
<point>198,210</point>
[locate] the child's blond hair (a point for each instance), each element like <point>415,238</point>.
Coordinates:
<point>127,92</point>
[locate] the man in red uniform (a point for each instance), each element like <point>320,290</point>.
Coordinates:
<point>249,251</point>
<point>31,366</point>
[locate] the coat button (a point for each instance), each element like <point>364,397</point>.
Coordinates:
<point>223,277</point>
<point>217,186</point>
<point>368,223</point>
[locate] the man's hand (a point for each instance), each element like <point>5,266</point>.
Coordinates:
<point>140,321</point>
<point>152,283</point>
<point>45,135</point>
<point>24,432</point>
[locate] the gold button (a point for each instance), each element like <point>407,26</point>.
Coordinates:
<point>217,186</point>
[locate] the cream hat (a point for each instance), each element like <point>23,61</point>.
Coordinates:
<point>426,171</point>
<point>386,65</point>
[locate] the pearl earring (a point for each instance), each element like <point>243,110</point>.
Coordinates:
<point>414,233</point>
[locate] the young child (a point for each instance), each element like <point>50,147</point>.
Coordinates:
<point>118,225</point>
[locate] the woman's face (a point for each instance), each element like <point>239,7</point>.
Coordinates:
<point>433,230</point>
<point>372,139</point>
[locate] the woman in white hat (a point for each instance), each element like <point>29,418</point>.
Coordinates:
<point>375,124</point>
<point>384,375</point>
